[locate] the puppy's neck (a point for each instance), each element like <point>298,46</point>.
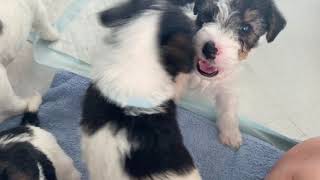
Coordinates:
<point>130,90</point>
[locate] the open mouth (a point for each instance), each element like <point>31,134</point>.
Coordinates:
<point>206,69</point>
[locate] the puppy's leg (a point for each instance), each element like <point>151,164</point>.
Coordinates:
<point>182,81</point>
<point>10,103</point>
<point>42,24</point>
<point>228,123</point>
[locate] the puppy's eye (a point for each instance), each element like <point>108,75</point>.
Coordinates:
<point>245,29</point>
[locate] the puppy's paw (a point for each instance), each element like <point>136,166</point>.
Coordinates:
<point>231,138</point>
<point>52,35</point>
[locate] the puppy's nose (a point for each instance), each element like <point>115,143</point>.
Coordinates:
<point>209,50</point>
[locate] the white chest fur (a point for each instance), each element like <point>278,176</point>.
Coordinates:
<point>104,153</point>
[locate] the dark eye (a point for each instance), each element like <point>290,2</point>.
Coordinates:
<point>245,29</point>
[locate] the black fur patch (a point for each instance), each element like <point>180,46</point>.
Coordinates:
<point>16,132</point>
<point>176,41</point>
<point>48,169</point>
<point>123,13</point>
<point>160,142</point>
<point>20,161</point>
<point>30,118</point>
<point>1,27</point>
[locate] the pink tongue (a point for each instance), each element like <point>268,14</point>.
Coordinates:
<point>206,67</point>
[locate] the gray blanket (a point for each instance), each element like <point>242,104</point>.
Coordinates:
<point>61,110</point>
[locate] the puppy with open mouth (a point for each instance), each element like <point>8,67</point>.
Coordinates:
<point>227,31</point>
<point>129,125</point>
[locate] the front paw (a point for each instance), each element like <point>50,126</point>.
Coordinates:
<point>231,138</point>
<point>51,35</point>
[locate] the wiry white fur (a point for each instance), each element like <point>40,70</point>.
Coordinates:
<point>225,12</point>
<point>104,154</point>
<point>8,139</point>
<point>220,88</point>
<point>47,144</point>
<point>116,72</point>
<point>18,18</point>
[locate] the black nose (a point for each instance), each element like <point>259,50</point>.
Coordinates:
<point>209,50</point>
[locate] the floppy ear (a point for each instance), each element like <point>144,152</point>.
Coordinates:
<point>123,12</point>
<point>116,15</point>
<point>276,23</point>
<point>197,5</point>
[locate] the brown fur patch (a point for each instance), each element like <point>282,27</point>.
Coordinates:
<point>251,15</point>
<point>178,53</point>
<point>243,54</point>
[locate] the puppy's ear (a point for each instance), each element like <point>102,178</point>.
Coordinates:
<point>197,6</point>
<point>178,54</point>
<point>123,12</point>
<point>276,23</point>
<point>112,17</point>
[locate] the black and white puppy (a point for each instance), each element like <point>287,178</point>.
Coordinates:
<point>28,152</point>
<point>129,126</point>
<point>227,31</point>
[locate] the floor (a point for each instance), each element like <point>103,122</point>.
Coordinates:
<point>278,86</point>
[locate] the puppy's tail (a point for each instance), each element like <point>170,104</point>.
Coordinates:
<point>30,117</point>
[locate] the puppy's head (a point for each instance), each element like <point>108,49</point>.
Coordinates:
<point>152,44</point>
<point>229,29</point>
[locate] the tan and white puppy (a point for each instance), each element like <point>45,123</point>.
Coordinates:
<point>227,31</point>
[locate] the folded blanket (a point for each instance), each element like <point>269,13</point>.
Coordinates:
<point>61,111</point>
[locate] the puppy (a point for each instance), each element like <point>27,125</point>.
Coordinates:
<point>28,152</point>
<point>17,18</point>
<point>129,126</point>
<point>227,31</point>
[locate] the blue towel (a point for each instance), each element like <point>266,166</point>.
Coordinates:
<point>61,110</point>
